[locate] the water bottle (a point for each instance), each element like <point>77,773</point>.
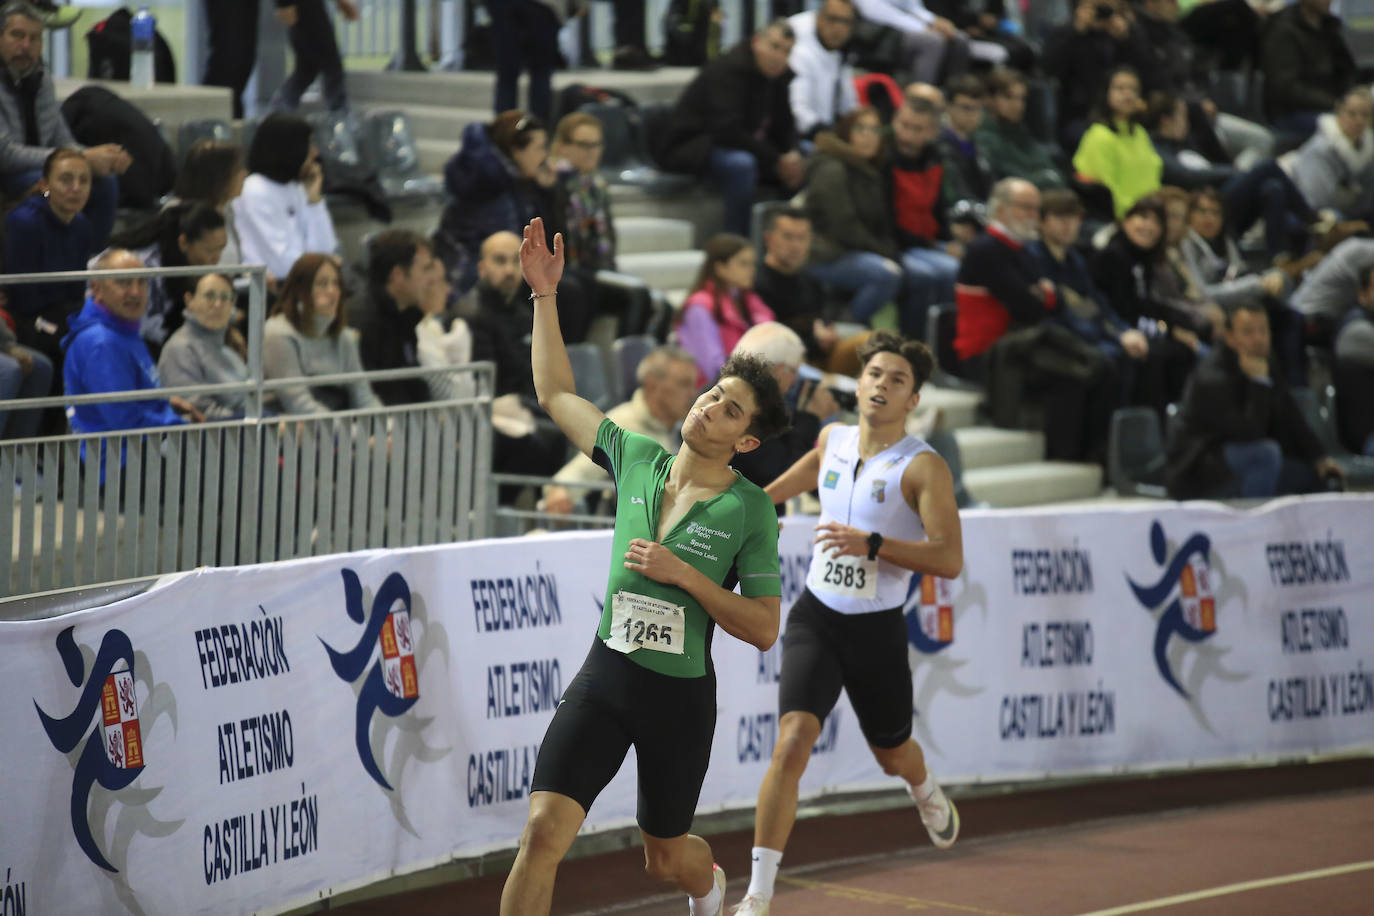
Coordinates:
<point>141,50</point>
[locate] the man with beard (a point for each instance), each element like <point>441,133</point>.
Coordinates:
<point>1006,336</point>
<point>887,511</point>
<point>686,525</point>
<point>32,126</point>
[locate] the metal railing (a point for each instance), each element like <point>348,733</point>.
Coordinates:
<point>100,508</point>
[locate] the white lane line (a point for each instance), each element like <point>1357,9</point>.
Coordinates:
<point>1234,889</point>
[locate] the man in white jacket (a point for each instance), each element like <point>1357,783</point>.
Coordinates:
<point>823,88</point>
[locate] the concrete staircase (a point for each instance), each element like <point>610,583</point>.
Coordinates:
<point>659,240</point>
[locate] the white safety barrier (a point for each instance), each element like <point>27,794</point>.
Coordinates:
<point>248,739</point>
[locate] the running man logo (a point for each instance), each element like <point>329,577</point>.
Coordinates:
<point>111,753</point>
<point>392,684</point>
<point>932,608</point>
<point>1192,584</point>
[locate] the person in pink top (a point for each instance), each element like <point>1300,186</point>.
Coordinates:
<point>723,304</point>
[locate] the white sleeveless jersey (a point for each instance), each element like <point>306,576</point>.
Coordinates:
<point>872,501</point>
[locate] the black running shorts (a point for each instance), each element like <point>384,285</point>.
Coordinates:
<point>613,704</point>
<point>866,654</point>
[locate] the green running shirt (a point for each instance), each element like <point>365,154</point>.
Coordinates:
<point>737,528</point>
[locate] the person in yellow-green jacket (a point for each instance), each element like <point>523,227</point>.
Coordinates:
<point>1116,150</point>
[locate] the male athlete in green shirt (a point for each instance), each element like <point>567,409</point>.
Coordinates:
<point>683,524</point>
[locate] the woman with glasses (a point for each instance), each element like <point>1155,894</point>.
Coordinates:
<point>854,246</point>
<point>205,350</point>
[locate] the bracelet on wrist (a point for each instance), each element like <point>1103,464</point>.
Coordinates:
<point>549,295</point>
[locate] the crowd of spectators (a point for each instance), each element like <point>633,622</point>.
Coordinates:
<point>1134,245</point>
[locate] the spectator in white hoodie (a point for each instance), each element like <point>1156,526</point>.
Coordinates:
<point>823,88</point>
<point>1334,169</point>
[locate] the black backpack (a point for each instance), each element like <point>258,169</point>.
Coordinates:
<point>110,42</point>
<point>96,115</point>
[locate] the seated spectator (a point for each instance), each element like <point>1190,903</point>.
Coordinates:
<point>1085,309</point>
<point>808,407</point>
<point>987,22</point>
<point>1127,272</point>
<point>1082,54</point>
<point>399,268</point>
<point>1115,150</point>
<point>1334,169</point>
<point>1166,120</point>
<point>443,340</point>
<point>723,304</point>
<point>797,299</point>
<point>822,88</point>
<point>32,126</point>
<point>1353,372</point>
<point>24,373</point>
<point>214,174</point>
<point>930,248</point>
<point>1327,292</point>
<point>1010,148</point>
<point>307,335</point>
<point>501,320</point>
<point>734,122</point>
<point>589,240</point>
<point>583,193</point>
<point>281,213</point>
<point>1177,69</point>
<point>1306,63</point>
<point>105,353</point>
<point>968,175</point>
<point>499,180</point>
<point>1007,335</point>
<point>1240,433</point>
<point>1175,280</point>
<point>853,245</point>
<point>667,379</point>
<point>180,235</point>
<point>49,232</point>
<point>205,350</point>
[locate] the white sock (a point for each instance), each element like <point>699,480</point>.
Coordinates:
<point>709,905</point>
<point>924,790</point>
<point>764,873</point>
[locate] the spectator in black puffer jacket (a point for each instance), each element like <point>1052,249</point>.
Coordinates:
<point>500,179</point>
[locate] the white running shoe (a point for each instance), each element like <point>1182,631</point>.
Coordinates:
<point>751,906</point>
<point>940,817</point>
<point>719,874</point>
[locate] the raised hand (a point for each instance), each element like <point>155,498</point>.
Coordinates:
<point>542,268</point>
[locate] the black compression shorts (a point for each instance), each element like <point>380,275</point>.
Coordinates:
<point>865,654</point>
<point>614,703</point>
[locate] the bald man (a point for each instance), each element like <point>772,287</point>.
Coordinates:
<point>104,353</point>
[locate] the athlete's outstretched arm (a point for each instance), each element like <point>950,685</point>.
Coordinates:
<point>929,489</point>
<point>801,476</point>
<point>553,376</point>
<point>754,620</point>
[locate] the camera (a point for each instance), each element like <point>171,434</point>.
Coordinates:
<point>846,400</point>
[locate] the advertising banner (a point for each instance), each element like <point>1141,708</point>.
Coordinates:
<point>250,739</point>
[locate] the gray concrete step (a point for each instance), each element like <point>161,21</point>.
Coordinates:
<point>638,234</point>
<point>434,153</point>
<point>960,408</point>
<point>1034,483</point>
<point>988,446</point>
<point>477,89</point>
<point>663,270</point>
<point>435,122</point>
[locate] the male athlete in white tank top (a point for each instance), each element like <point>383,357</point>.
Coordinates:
<point>887,511</point>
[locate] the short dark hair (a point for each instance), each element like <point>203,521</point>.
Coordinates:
<point>1254,306</point>
<point>770,412</point>
<point>913,351</point>
<point>280,147</point>
<point>514,130</point>
<point>20,8</point>
<point>1001,80</point>
<point>1060,202</point>
<point>1207,193</point>
<point>197,219</point>
<point>781,26</point>
<point>1158,106</point>
<point>209,168</point>
<point>389,249</point>
<point>966,84</point>
<point>772,214</point>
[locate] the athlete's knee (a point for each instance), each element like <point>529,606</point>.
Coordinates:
<point>797,734</point>
<point>545,837</point>
<point>892,759</point>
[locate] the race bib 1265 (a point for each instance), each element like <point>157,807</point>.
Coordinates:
<point>642,622</point>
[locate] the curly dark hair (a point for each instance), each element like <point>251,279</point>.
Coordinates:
<point>770,413</point>
<point>913,351</point>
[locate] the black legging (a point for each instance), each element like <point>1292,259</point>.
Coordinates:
<point>317,54</point>
<point>233,36</point>
<point>525,36</point>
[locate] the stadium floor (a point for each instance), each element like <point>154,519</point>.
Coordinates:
<point>1273,840</point>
